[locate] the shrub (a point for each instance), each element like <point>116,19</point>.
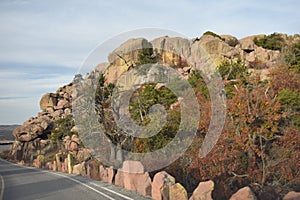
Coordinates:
<point>63,128</point>
<point>232,70</point>
<point>145,56</point>
<point>290,101</point>
<point>271,42</point>
<point>198,83</point>
<point>148,96</point>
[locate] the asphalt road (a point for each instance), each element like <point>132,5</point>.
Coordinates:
<point>19,182</point>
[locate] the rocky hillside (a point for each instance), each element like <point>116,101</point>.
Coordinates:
<point>257,155</point>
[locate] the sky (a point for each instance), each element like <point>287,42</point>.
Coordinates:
<point>44,43</point>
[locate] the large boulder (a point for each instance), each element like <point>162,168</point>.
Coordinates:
<point>72,144</point>
<point>173,51</point>
<point>244,193</point>
<point>79,169</point>
<point>128,49</point>
<point>203,191</point>
<point>164,187</point>
<point>83,155</point>
<point>106,174</point>
<point>292,196</point>
<point>160,181</point>
<point>63,104</point>
<point>124,57</point>
<point>132,177</point>
<point>48,100</point>
<point>92,168</point>
<point>230,40</point>
<point>177,191</point>
<point>247,44</point>
<point>133,167</point>
<point>33,128</point>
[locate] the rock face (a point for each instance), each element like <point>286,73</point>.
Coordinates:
<point>243,194</point>
<point>203,191</point>
<point>185,54</point>
<point>132,177</point>
<point>172,51</point>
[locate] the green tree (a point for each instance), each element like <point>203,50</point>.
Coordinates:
<point>146,56</point>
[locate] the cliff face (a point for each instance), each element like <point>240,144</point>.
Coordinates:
<point>50,139</point>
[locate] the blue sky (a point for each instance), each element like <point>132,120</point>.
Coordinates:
<point>43,43</point>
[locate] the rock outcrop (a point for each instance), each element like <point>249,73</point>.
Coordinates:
<point>34,146</point>
<point>32,137</point>
<point>185,54</point>
<point>33,128</point>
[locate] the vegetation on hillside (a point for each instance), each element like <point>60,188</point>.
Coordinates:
<point>259,143</point>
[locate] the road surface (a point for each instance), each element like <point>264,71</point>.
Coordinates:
<point>19,182</point>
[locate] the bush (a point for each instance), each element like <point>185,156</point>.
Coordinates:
<point>198,83</point>
<point>145,56</point>
<point>290,102</point>
<point>148,96</point>
<point>271,42</point>
<point>63,128</point>
<point>232,70</point>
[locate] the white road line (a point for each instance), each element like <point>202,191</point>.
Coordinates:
<point>44,171</point>
<point>72,179</point>
<point>109,190</point>
<point>2,188</point>
<point>91,188</point>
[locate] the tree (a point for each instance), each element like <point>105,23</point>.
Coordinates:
<point>146,56</point>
